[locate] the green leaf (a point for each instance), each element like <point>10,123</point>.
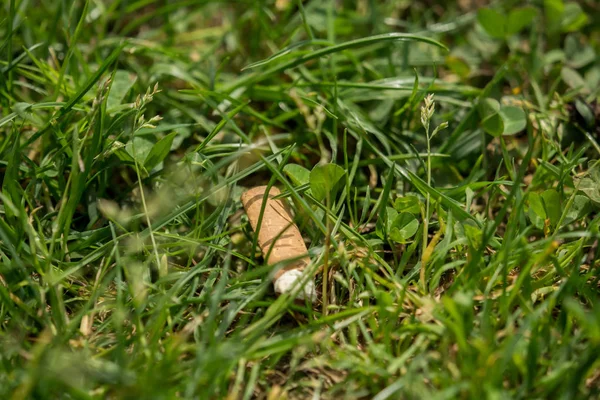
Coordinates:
<point>573,18</point>
<point>384,223</point>
<point>552,206</point>
<point>92,80</point>
<point>325,179</point>
<point>491,121</point>
<point>578,55</point>
<point>286,52</point>
<point>159,151</point>
<point>519,18</point>
<point>474,235</point>
<point>572,78</point>
<point>592,77</point>
<point>404,226</point>
<point>586,113</point>
<point>297,174</point>
<point>25,111</point>
<point>493,22</point>
<point>514,119</point>
<point>554,10</point>
<point>497,120</point>
<point>591,187</point>
<point>307,56</point>
<point>409,204</point>
<point>458,65</point>
<point>122,82</point>
<point>581,206</point>
<point>537,213</point>
<point>488,107</point>
<point>494,125</point>
<point>10,183</point>
<point>543,207</point>
<point>139,148</point>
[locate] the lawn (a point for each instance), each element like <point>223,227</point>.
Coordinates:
<point>441,160</point>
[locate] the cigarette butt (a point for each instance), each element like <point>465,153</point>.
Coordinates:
<point>279,239</point>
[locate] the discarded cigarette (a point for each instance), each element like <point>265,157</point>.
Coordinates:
<point>279,239</point>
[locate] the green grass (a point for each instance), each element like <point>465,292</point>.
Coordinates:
<point>461,263</point>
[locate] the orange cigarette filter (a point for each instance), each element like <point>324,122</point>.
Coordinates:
<point>279,238</point>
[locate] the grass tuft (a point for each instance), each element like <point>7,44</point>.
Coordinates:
<point>458,263</point>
